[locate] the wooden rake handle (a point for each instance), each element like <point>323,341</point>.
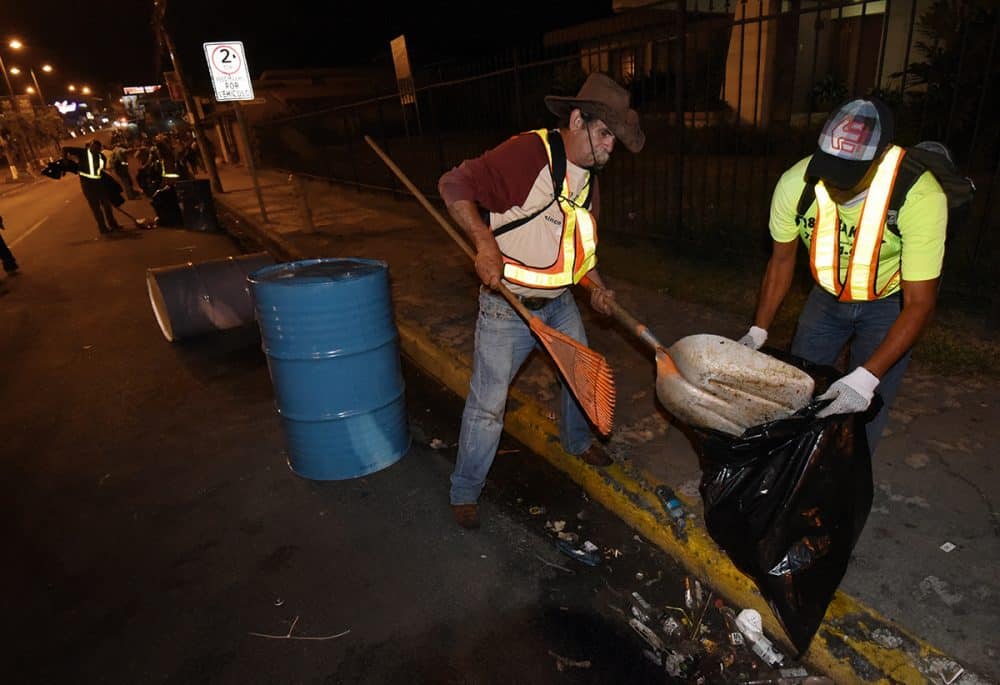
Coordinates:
<point>446,225</point>
<point>634,326</point>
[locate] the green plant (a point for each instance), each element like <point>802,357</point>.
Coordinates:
<point>827,93</point>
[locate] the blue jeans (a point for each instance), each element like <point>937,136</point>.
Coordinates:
<point>503,342</point>
<point>826,325</point>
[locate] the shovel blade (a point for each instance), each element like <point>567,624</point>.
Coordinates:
<point>715,382</point>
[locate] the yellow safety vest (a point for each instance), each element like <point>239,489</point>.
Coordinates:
<point>578,253</point>
<point>90,165</point>
<point>862,269</point>
<point>165,173</point>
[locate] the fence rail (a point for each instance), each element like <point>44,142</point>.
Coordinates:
<point>730,94</point>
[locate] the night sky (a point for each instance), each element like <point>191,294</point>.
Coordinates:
<point>108,42</point>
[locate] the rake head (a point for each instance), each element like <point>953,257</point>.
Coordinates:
<point>585,371</point>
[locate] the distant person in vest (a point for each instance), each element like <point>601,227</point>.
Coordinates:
<point>537,241</point>
<point>876,275</point>
<point>90,162</point>
<point>119,162</point>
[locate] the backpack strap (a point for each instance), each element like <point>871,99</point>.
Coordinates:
<point>558,170</point>
<point>807,197</point>
<point>910,169</point>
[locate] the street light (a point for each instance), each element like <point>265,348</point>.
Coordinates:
<point>47,68</point>
<point>85,90</point>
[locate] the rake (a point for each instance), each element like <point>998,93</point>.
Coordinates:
<point>587,373</point>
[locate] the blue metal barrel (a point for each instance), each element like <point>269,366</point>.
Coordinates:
<point>333,353</point>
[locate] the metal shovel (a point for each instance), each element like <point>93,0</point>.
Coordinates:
<point>714,382</point>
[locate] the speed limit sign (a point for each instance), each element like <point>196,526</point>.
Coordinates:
<point>227,65</point>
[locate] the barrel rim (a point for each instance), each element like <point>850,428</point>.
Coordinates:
<point>258,277</point>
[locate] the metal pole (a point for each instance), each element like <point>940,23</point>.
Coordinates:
<point>242,125</point>
<point>38,88</point>
<point>6,78</point>
<point>12,150</point>
<point>159,8</point>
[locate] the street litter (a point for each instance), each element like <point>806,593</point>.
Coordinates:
<point>749,623</point>
<point>586,554</point>
<point>289,636</point>
<point>438,444</point>
<point>555,526</point>
<point>654,581</point>
<point>692,593</point>
<point>549,563</point>
<point>655,657</point>
<point>562,663</point>
<point>697,626</point>
<point>570,537</point>
<point>278,602</point>
<point>508,451</point>
<point>947,547</point>
<point>678,517</point>
<point>536,510</point>
<point>639,601</point>
<point>651,638</point>
<point>671,627</point>
<point>949,681</point>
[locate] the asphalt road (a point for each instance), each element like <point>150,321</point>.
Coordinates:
<point>152,525</point>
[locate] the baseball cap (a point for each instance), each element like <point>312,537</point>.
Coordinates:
<point>852,138</point>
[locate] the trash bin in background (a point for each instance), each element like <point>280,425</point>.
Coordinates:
<point>192,299</point>
<point>333,353</point>
<point>197,205</point>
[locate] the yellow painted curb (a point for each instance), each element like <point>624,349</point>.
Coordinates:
<point>854,644</point>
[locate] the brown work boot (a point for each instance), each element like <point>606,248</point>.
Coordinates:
<point>596,456</point>
<point>466,515</point>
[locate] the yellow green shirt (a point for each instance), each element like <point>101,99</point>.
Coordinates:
<point>919,249</point>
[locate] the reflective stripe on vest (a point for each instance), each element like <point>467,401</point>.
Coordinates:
<point>90,165</point>
<point>578,250</point>
<point>824,249</point>
<point>163,171</point>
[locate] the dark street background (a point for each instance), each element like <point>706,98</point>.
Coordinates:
<point>296,34</point>
<point>151,522</point>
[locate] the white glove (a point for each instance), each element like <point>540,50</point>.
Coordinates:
<point>852,393</point>
<point>755,338</point>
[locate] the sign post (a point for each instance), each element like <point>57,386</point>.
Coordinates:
<point>227,65</point>
<point>159,7</point>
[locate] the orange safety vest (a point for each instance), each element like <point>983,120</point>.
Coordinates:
<point>862,269</point>
<point>578,253</point>
<point>90,165</point>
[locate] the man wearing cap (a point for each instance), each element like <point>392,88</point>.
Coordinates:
<point>540,192</point>
<point>876,271</point>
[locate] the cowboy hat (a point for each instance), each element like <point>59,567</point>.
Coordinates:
<point>601,97</point>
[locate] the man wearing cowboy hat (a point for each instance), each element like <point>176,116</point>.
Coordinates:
<point>540,192</point>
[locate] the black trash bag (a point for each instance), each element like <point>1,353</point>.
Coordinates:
<point>168,210</point>
<point>113,189</point>
<point>58,168</point>
<point>787,501</point>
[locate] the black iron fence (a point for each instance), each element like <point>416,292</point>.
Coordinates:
<point>731,93</point>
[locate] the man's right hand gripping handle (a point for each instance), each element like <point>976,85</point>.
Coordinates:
<point>489,264</point>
